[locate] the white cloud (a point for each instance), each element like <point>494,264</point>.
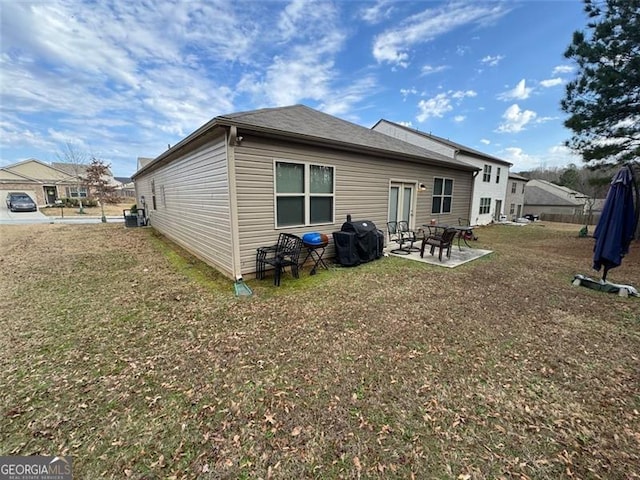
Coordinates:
<point>551,82</point>
<point>492,61</point>
<point>560,69</point>
<point>464,93</point>
<point>434,107</point>
<point>378,12</point>
<point>429,69</point>
<point>485,141</point>
<point>406,124</point>
<point>519,92</point>
<point>459,118</point>
<point>515,119</point>
<point>555,156</point>
<point>405,92</point>
<point>393,45</point>
<point>440,104</point>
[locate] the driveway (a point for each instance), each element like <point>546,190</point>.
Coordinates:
<point>25,218</point>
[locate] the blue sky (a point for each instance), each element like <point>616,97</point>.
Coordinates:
<point>119,79</point>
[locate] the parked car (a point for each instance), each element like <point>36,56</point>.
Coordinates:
<point>20,202</point>
<point>531,217</point>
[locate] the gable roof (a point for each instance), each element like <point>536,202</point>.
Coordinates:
<point>303,124</point>
<point>74,169</point>
<point>541,192</point>
<point>9,176</point>
<point>454,145</point>
<point>515,176</point>
<point>37,170</point>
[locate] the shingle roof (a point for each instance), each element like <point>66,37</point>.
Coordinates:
<point>446,141</point>
<point>515,176</point>
<point>304,122</point>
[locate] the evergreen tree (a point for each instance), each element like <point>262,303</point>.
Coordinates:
<point>604,100</point>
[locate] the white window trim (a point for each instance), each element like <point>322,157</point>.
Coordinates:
<point>486,172</point>
<point>453,186</point>
<point>307,194</point>
<point>488,204</point>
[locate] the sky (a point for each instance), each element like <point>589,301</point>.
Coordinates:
<point>122,79</point>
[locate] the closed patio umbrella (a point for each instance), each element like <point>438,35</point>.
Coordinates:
<point>617,223</point>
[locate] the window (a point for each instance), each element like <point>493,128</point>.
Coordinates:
<point>512,209</point>
<point>486,175</point>
<point>76,192</point>
<point>523,187</point>
<point>513,187</point>
<point>442,195</point>
<point>498,175</point>
<point>304,194</point>
<point>163,198</point>
<point>485,205</point>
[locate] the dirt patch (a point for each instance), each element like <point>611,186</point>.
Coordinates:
<point>123,351</point>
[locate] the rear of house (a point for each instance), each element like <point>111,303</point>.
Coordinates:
<point>237,182</point>
<point>488,201</point>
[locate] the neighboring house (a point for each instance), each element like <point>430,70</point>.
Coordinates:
<point>490,185</point>
<point>79,171</point>
<point>541,197</point>
<point>515,196</point>
<point>125,187</point>
<point>42,181</point>
<point>241,179</point>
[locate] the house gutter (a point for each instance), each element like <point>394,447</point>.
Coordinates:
<point>344,145</point>
<point>231,140</point>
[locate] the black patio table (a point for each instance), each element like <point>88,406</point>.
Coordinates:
<point>463,232</point>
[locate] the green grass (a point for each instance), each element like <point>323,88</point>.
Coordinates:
<point>140,362</point>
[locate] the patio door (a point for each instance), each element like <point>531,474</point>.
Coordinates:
<point>401,202</point>
<point>498,209</point>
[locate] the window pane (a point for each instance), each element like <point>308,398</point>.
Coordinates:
<point>289,178</point>
<point>321,209</point>
<point>446,205</point>
<point>290,211</point>
<point>437,186</point>
<point>448,187</point>
<point>435,205</point>
<point>406,206</point>
<point>321,179</point>
<point>394,193</point>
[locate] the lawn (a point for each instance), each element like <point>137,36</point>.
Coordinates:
<point>123,351</point>
<point>110,210</point>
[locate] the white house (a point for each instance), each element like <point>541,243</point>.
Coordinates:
<point>490,185</point>
<point>515,196</point>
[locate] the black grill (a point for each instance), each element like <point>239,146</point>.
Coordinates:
<point>358,242</point>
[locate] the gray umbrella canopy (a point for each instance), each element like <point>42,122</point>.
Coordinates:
<point>618,222</point>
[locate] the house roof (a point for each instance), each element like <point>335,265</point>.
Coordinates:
<point>74,169</point>
<point>446,141</point>
<point>305,125</point>
<point>35,169</point>
<point>541,192</point>
<point>123,179</point>
<point>515,176</point>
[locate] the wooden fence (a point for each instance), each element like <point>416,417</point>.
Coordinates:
<point>578,219</point>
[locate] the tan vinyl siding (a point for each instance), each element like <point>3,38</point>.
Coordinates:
<point>192,203</point>
<point>38,171</point>
<point>362,190</point>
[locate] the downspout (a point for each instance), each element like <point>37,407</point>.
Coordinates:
<point>231,142</point>
<point>473,187</point>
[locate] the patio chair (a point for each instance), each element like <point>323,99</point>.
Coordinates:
<point>408,235</point>
<point>285,253</point>
<point>442,242</point>
<point>395,235</point>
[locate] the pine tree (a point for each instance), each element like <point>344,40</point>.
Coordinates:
<point>604,100</point>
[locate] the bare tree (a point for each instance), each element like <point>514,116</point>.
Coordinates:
<point>77,160</point>
<point>97,176</point>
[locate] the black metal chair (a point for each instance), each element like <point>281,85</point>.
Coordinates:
<point>409,236</point>
<point>395,235</point>
<point>442,242</point>
<point>285,253</point>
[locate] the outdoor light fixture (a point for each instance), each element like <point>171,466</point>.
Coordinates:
<point>422,187</point>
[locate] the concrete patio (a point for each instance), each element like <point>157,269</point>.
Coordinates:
<point>458,256</point>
